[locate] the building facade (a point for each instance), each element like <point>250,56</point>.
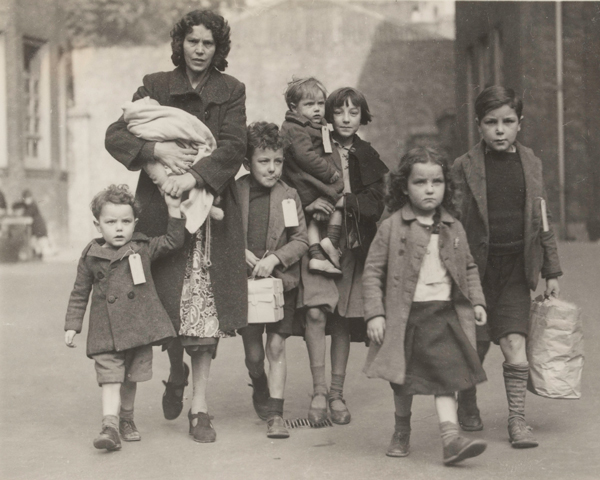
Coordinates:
<point>519,45</point>
<point>34,73</point>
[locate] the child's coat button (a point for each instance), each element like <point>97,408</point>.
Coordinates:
<point>130,295</point>
<point>112,299</point>
<point>100,275</point>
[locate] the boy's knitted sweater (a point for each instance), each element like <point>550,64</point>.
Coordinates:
<point>307,167</point>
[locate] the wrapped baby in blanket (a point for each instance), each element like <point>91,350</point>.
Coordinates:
<point>149,120</point>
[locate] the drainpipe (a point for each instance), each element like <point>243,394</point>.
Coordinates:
<point>561,122</point>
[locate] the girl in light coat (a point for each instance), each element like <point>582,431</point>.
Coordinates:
<point>422,299</point>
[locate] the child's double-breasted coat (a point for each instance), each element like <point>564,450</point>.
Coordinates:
<point>122,315</point>
<point>390,279</point>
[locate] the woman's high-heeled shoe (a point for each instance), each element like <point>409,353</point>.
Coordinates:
<point>317,415</point>
<point>203,431</point>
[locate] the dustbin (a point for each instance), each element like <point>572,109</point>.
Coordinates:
<point>15,239</point>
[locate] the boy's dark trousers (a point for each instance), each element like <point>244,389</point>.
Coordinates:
<point>468,412</point>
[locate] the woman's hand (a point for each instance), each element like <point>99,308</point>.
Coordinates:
<point>175,185</point>
<point>265,267</point>
<point>480,315</point>
<point>178,159</point>
<point>552,288</point>
<point>69,337</point>
<point>376,329</point>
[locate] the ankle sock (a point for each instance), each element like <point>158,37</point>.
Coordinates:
<point>448,431</point>
<point>515,381</point>
<point>126,414</point>
<point>110,421</point>
<point>318,374</point>
<point>334,232</point>
<point>337,385</point>
<point>315,251</point>
<point>274,407</point>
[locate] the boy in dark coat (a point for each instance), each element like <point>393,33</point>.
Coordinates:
<point>126,316</point>
<point>502,205</point>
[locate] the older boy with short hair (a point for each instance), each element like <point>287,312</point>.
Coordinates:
<point>275,243</point>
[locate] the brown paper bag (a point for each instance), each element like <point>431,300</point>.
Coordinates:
<point>555,349</point>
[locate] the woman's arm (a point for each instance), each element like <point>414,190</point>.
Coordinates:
<point>134,153</point>
<point>221,166</point>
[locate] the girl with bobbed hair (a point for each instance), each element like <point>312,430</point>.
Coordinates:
<point>195,284</point>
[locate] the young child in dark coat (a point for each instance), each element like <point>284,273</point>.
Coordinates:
<point>126,315</point>
<point>422,300</point>
<point>313,168</point>
<point>274,247</point>
<point>502,204</point>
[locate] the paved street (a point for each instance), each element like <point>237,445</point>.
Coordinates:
<point>51,407</point>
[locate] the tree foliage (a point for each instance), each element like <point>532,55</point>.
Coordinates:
<point>129,22</point>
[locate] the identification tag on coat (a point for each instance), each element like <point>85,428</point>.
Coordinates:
<point>326,139</point>
<point>290,214</point>
<point>137,269</point>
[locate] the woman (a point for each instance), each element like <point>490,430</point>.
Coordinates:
<point>195,284</point>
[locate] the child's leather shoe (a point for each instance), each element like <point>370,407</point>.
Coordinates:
<point>108,439</point>
<point>203,431</point>
<point>460,448</point>
<point>399,445</point>
<point>128,430</point>
<point>520,434</point>
<point>276,428</point>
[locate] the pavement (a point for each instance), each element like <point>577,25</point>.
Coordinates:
<point>50,406</point>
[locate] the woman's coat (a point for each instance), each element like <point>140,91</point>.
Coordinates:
<point>390,279</point>
<point>220,104</point>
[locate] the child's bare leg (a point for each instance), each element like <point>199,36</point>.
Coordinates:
<point>277,373</point>
<point>277,364</point>
<point>340,350</point>
<point>252,337</point>
<point>111,398</point>
<point>316,345</point>
<point>456,448</point>
<point>400,443</point>
<point>109,436</point>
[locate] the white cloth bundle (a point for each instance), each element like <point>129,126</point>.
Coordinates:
<point>149,120</point>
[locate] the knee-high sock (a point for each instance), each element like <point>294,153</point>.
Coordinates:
<point>515,381</point>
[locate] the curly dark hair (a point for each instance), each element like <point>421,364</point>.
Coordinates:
<point>215,23</point>
<point>397,179</point>
<point>340,97</point>
<point>263,135</point>
<point>117,194</point>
